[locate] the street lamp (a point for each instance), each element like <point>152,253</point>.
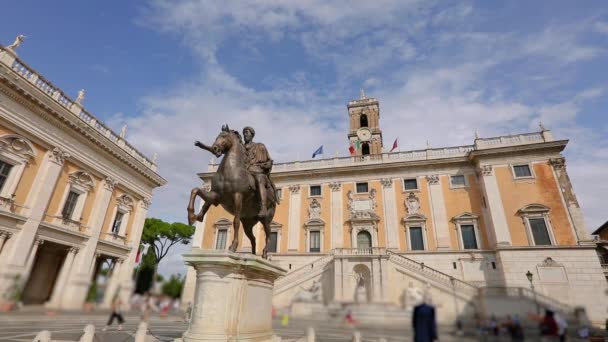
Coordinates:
<point>530,277</point>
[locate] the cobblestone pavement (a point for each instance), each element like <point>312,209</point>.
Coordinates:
<point>23,326</point>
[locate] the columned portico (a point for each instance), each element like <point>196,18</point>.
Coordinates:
<point>30,259</point>
<point>59,288</point>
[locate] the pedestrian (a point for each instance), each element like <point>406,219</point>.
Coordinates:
<point>494,326</point>
<point>349,317</point>
<point>548,326</point>
<point>513,326</point>
<point>116,304</point>
<point>562,326</point>
<point>424,322</point>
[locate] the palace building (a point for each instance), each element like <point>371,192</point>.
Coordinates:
<point>491,227</point>
<point>73,194</point>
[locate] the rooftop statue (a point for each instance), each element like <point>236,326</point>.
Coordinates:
<point>20,38</point>
<point>241,185</point>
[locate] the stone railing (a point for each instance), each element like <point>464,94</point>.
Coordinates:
<point>510,140</point>
<point>527,294</point>
<point>431,272</point>
<point>359,251</point>
<point>71,224</point>
<point>9,59</point>
<point>115,238</point>
<point>301,272</point>
<point>7,204</point>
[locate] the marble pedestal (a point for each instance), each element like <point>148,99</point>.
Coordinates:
<point>232,298</point>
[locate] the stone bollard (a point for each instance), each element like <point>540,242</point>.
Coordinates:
<point>43,336</point>
<point>89,333</point>
<point>356,336</point>
<point>310,334</point>
<point>142,330</point>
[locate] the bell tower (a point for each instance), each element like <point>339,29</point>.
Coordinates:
<point>364,115</point>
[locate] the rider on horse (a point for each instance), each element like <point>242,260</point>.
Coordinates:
<point>259,164</point>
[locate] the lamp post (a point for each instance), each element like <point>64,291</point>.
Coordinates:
<point>530,277</point>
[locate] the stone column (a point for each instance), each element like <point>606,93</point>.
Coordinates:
<point>570,201</point>
<point>3,237</point>
<point>295,202</point>
<point>30,260</point>
<point>112,285</point>
<point>440,217</point>
<point>78,283</point>
<point>64,273</point>
<point>498,218</point>
<point>35,208</point>
<point>337,220</point>
<point>126,283</point>
<point>391,221</point>
<point>190,282</point>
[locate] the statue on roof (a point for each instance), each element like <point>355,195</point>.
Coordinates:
<point>80,96</point>
<point>20,38</point>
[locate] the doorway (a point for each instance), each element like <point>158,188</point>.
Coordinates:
<point>48,262</point>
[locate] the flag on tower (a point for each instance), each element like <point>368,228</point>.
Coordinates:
<point>395,144</point>
<point>351,149</point>
<point>318,151</point>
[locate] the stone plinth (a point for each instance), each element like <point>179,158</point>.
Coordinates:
<point>233,296</point>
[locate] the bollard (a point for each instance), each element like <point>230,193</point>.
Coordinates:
<point>43,336</point>
<point>142,330</point>
<point>276,338</point>
<point>89,333</point>
<point>310,334</point>
<point>356,336</point>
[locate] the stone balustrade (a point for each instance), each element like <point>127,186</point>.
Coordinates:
<point>45,86</point>
<point>360,251</point>
<point>7,204</point>
<point>115,238</point>
<point>510,140</point>
<point>301,272</point>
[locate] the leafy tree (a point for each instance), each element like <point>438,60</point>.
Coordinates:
<point>173,286</point>
<point>163,235</point>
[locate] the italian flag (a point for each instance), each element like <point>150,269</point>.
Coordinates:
<point>354,148</point>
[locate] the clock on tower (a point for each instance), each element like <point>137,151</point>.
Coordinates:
<point>364,115</point>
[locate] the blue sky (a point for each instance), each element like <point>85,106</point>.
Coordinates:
<point>175,71</point>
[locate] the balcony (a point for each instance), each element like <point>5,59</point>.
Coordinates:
<point>7,204</point>
<point>115,238</point>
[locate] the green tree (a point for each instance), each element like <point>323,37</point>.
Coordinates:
<point>173,287</point>
<point>162,236</point>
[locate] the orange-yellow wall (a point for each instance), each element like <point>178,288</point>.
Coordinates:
<point>461,200</point>
<point>543,189</point>
<point>55,206</point>
<point>425,209</point>
<point>90,203</point>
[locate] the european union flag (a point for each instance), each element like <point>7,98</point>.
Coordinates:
<point>318,151</point>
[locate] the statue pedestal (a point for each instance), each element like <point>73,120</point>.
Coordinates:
<point>233,296</point>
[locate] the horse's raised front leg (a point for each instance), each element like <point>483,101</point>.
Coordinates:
<point>210,197</point>
<point>238,204</point>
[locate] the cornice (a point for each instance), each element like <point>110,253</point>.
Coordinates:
<point>551,146</point>
<point>21,91</point>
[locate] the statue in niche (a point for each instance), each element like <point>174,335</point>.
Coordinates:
<point>412,203</point>
<point>372,197</point>
<point>360,290</point>
<point>351,199</point>
<point>314,210</point>
<point>20,38</point>
<point>312,294</point>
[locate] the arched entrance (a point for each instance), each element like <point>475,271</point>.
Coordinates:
<point>364,240</point>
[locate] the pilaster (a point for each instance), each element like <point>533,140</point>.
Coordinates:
<point>391,221</point>
<point>64,273</point>
<point>337,221</point>
<point>295,202</point>
<point>496,210</point>
<point>440,217</point>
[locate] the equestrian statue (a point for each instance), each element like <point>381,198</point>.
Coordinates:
<point>241,185</point>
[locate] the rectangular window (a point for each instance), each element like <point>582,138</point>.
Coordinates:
<point>315,241</point>
<point>458,181</point>
<point>410,184</point>
<point>468,236</point>
<point>279,193</point>
<point>522,171</point>
<point>117,222</point>
<point>70,204</point>
<point>540,232</point>
<point>272,245</point>
<point>315,190</point>
<point>362,187</point>
<point>416,241</point>
<point>5,169</point>
<point>220,243</point>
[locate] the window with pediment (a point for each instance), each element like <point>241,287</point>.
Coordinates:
<point>415,232</point>
<point>537,223</point>
<point>467,227</point>
<point>80,183</point>
<point>16,152</point>
<point>122,212</point>
<point>222,233</point>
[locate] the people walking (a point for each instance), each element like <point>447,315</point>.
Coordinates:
<point>514,328</point>
<point>424,322</point>
<point>562,326</point>
<point>116,313</point>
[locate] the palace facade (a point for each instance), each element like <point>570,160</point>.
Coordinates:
<point>473,226</point>
<point>73,194</point>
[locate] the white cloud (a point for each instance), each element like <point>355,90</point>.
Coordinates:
<point>601,27</point>
<point>431,91</point>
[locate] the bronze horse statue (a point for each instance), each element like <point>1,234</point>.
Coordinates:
<point>235,189</point>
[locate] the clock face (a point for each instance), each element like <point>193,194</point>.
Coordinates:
<point>364,134</point>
